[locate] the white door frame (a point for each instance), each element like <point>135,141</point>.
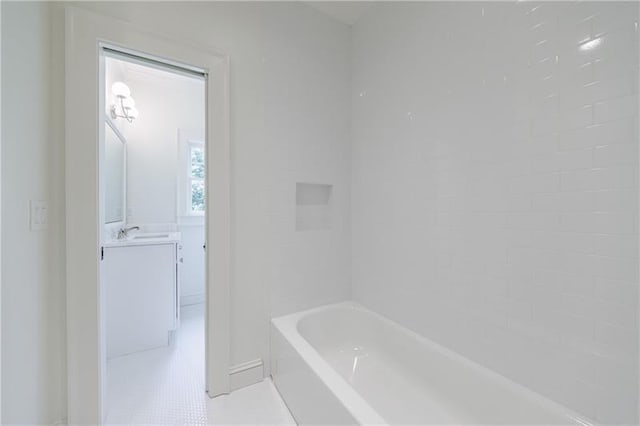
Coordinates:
<point>86,352</point>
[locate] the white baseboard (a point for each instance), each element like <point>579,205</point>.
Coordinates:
<point>191,299</point>
<point>245,374</point>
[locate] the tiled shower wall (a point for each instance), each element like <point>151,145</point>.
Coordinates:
<point>494,197</point>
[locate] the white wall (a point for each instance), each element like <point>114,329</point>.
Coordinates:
<point>167,103</point>
<point>494,197</point>
<point>287,61</point>
<point>32,316</point>
<point>307,133</point>
<point>275,78</point>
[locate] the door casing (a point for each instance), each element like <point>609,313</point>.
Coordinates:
<point>85,34</point>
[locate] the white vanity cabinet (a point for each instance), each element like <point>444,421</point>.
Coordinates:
<point>141,285</point>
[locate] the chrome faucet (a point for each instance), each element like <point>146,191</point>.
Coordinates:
<point>124,232</point>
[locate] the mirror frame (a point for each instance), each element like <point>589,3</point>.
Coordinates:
<point>123,140</point>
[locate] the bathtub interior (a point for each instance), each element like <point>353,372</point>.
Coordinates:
<point>408,379</point>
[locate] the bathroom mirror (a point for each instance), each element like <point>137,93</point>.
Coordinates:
<point>114,173</point>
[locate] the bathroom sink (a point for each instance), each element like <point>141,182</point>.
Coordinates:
<point>145,238</point>
<point>150,236</point>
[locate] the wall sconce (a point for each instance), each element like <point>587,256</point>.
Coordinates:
<point>124,106</point>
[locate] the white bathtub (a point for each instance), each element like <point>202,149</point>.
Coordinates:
<point>343,364</point>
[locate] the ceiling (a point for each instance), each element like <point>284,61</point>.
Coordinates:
<point>149,72</point>
<point>346,11</point>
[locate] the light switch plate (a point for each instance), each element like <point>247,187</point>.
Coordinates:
<point>38,215</point>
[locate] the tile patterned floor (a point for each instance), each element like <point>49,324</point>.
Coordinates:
<point>166,386</point>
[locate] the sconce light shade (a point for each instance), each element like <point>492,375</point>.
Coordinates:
<point>120,90</point>
<point>124,106</point>
<point>128,102</point>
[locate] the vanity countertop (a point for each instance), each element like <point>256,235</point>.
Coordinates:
<point>145,238</point>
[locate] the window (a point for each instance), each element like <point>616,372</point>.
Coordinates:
<point>191,193</point>
<point>196,196</point>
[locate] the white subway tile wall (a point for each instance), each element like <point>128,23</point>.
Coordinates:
<point>494,197</point>
<point>306,140</point>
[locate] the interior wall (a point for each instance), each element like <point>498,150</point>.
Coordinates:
<point>268,45</point>
<point>33,378</point>
<point>265,85</point>
<point>170,103</point>
<point>290,122</point>
<point>307,140</point>
<point>494,188</point>
<point>167,104</point>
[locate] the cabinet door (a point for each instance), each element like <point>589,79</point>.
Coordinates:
<point>140,291</point>
<point>179,263</point>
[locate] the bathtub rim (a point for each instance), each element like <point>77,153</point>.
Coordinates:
<point>358,407</point>
<point>350,399</point>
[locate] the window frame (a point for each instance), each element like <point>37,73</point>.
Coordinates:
<point>187,140</point>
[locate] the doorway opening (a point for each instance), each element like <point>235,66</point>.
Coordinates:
<point>152,181</point>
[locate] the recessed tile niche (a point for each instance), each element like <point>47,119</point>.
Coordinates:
<point>313,206</point>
